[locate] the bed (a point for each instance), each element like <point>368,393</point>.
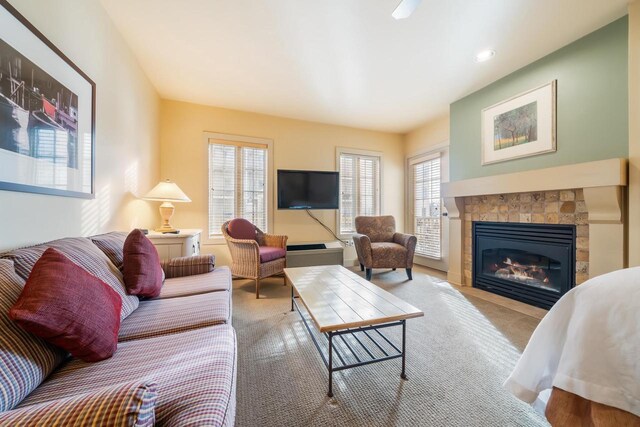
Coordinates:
<point>587,351</point>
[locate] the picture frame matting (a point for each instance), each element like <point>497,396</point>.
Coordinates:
<point>521,126</point>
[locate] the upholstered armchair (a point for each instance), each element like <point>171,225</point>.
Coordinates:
<point>254,254</point>
<point>379,246</point>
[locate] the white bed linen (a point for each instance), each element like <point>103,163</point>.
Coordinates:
<point>588,344</point>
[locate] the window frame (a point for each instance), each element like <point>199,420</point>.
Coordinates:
<point>411,162</point>
<point>239,140</point>
<point>443,149</point>
<point>379,199</point>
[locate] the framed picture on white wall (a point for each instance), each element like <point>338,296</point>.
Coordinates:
<point>47,114</point>
<point>522,126</point>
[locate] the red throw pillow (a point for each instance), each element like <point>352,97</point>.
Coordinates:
<point>141,266</point>
<point>65,305</point>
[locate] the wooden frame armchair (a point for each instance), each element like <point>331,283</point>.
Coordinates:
<point>379,246</point>
<point>255,255</point>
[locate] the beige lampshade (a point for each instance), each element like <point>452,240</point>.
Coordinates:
<point>167,191</point>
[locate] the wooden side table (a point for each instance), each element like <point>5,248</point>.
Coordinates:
<point>186,243</point>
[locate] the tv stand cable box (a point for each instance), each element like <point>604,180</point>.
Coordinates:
<point>308,254</point>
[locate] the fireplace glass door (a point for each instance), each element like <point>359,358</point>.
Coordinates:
<point>522,266</point>
<point>533,263</point>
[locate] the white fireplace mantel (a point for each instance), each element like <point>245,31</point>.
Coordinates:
<point>602,181</point>
<point>601,173</point>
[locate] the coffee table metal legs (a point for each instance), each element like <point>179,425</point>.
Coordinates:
<point>369,333</point>
<point>404,348</point>
<point>341,333</point>
<point>330,393</point>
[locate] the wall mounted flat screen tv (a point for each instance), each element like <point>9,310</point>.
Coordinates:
<point>308,189</point>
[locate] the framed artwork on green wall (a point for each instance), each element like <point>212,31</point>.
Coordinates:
<point>522,126</point>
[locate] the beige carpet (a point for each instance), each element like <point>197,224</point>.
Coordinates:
<point>458,355</point>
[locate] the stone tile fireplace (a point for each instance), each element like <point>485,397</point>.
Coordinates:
<point>546,207</point>
<point>587,198</point>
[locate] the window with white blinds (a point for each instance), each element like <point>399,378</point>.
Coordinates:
<point>359,189</point>
<point>427,206</point>
<point>237,184</point>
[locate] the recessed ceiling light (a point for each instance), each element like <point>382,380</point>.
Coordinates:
<point>485,55</point>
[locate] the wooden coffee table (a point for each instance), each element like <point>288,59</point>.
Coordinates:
<point>351,313</point>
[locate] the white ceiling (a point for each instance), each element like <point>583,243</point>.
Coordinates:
<point>344,62</point>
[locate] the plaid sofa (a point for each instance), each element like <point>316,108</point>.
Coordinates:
<point>176,359</point>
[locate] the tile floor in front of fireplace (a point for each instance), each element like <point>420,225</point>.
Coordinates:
<point>511,304</point>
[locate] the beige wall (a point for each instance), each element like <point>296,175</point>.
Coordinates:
<point>297,145</point>
<point>430,134</point>
<point>634,134</point>
<point>127,154</point>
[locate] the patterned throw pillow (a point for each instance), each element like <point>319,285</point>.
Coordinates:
<point>83,253</point>
<point>188,266</point>
<point>112,245</point>
<point>129,404</point>
<point>25,360</point>
<point>69,307</point>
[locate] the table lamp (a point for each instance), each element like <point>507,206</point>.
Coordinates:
<point>166,192</point>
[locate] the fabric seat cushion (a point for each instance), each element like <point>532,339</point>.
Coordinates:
<point>25,360</point>
<point>387,254</point>
<point>269,253</point>
<point>240,228</point>
<point>85,254</point>
<point>215,281</point>
<point>112,245</point>
<point>70,308</point>
<point>168,316</point>
<point>141,269</point>
<point>195,373</point>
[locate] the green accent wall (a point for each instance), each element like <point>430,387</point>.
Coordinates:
<point>592,106</point>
